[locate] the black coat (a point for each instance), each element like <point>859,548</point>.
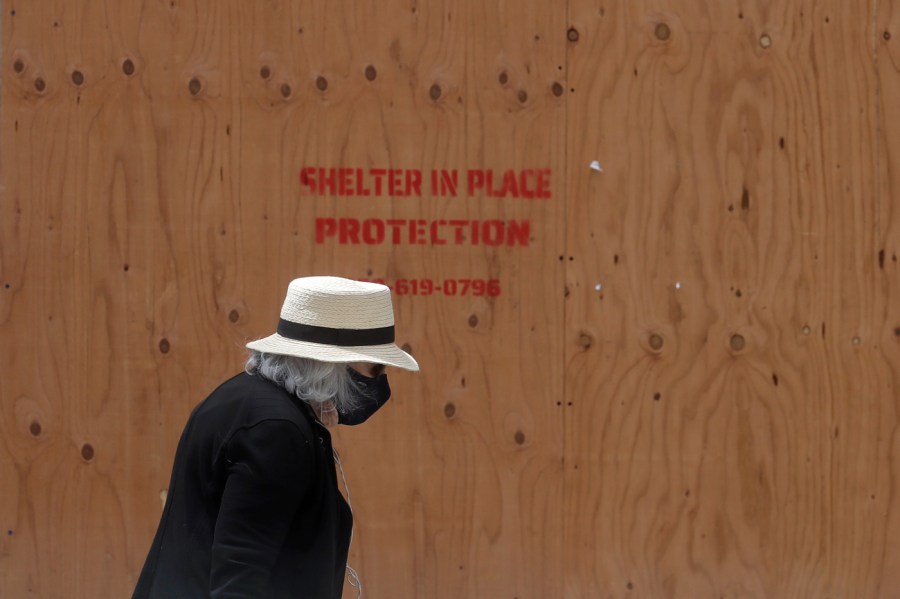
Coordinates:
<point>253,508</point>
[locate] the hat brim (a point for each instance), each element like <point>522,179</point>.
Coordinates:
<point>388,354</point>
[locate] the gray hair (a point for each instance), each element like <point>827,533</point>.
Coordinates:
<point>325,386</point>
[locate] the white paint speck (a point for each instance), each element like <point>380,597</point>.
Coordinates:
<point>595,166</point>
<point>598,287</point>
<point>677,284</point>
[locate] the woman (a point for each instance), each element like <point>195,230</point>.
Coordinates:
<point>253,508</point>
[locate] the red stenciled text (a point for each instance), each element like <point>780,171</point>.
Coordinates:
<point>526,183</point>
<point>398,231</point>
<point>450,287</point>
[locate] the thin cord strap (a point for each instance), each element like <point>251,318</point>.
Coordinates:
<point>352,576</point>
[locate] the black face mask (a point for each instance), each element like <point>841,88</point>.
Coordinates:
<point>373,393</point>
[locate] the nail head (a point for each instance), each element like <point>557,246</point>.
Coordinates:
<point>321,83</point>
<point>371,73</point>
<point>557,89</point>
<point>77,77</point>
<point>18,66</point>
<point>572,35</point>
<point>194,86</point>
<point>39,84</point>
<point>435,92</point>
<point>765,41</point>
<point>128,67</point>
<point>737,342</point>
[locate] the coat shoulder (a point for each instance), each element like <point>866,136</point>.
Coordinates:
<point>247,400</point>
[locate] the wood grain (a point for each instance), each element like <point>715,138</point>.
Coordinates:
<point>686,388</point>
<point>885,305</point>
<point>152,216</point>
<point>731,401</point>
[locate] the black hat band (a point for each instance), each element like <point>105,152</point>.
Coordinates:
<point>339,337</point>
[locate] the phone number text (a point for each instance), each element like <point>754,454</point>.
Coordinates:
<point>451,287</point>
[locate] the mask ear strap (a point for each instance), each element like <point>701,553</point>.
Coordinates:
<point>352,576</point>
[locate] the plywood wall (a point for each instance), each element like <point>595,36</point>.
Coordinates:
<point>672,375</point>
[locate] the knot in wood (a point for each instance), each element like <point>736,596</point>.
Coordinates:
<point>585,341</point>
<point>662,32</point>
<point>87,452</point>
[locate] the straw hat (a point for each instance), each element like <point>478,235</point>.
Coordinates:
<point>337,320</point>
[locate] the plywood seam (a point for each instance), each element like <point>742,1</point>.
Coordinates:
<point>565,318</point>
<point>878,117</point>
